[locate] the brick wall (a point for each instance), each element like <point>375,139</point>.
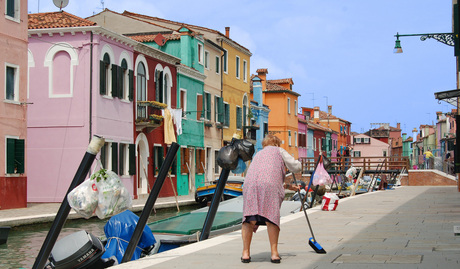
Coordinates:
<point>427,178</point>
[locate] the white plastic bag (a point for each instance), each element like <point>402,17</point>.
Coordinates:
<point>113,197</point>
<point>84,198</point>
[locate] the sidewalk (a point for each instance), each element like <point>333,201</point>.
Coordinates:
<point>409,227</point>
<point>46,212</point>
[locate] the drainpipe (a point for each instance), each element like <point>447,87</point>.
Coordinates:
<point>91,87</point>
<point>222,93</point>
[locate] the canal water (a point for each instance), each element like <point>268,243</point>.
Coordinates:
<point>24,242</point>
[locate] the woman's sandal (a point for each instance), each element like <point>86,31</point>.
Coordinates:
<point>276,260</point>
<point>248,260</point>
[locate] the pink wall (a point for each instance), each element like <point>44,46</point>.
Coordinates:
<point>59,118</point>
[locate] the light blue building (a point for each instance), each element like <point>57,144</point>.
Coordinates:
<point>259,112</point>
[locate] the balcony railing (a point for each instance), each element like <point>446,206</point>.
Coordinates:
<point>149,115</point>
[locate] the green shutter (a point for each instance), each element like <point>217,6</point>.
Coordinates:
<point>19,155</point>
<point>160,157</point>
<point>120,84</point>
<point>221,109</point>
<point>115,157</point>
<point>10,8</point>
<point>121,159</point>
<point>102,85</point>
<point>114,81</point>
<point>227,115</point>
<point>238,118</point>
<point>10,145</point>
<point>208,106</point>
<point>132,159</point>
<point>131,85</point>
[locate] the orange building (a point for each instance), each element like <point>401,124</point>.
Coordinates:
<point>283,103</point>
<point>326,119</point>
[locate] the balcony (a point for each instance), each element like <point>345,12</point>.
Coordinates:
<point>149,115</point>
<point>250,132</point>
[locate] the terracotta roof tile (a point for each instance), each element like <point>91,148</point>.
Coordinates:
<point>149,37</point>
<point>282,81</point>
<point>59,19</point>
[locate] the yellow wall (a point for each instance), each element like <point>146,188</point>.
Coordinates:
<point>235,89</point>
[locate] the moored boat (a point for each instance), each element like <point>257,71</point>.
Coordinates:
<point>233,188</point>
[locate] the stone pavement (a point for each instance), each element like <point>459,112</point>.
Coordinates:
<point>46,212</point>
<point>409,227</point>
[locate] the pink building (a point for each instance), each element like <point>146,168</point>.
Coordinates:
<point>13,108</point>
<point>364,145</point>
<point>81,84</point>
<point>302,136</point>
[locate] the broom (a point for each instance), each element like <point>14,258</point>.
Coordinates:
<point>312,241</point>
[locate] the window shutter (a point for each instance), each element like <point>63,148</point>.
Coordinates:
<point>227,115</point>
<point>132,159</point>
<point>114,80</point>
<point>161,86</point>
<point>102,85</point>
<point>221,109</point>
<point>184,159</point>
<point>121,159</point>
<point>120,84</point>
<point>115,157</point>
<point>19,155</point>
<point>10,8</point>
<point>10,144</point>
<point>160,157</point>
<point>208,106</point>
<point>131,85</point>
<point>199,106</point>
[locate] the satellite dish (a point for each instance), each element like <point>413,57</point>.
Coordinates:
<point>61,3</point>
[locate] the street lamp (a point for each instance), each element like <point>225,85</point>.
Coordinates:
<point>446,38</point>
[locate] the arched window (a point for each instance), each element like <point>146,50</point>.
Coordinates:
<point>141,90</point>
<point>106,75</point>
<point>61,59</point>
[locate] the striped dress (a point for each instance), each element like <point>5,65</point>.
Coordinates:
<point>263,190</point>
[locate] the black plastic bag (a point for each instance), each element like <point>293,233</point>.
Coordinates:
<point>245,148</point>
<point>227,158</point>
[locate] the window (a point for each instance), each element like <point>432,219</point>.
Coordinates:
<point>289,105</point>
<point>366,140</point>
<point>183,101</point>
<point>357,140</point>
<point>12,83</point>
<point>356,153</point>
<point>265,128</point>
<point>237,66</point>
<point>295,107</point>
<point>289,138</point>
<point>12,9</point>
<point>200,53</point>
<point>245,71</point>
<point>124,158</point>
<point>239,115</point>
<point>105,75</point>
<point>15,150</point>
<point>216,165</point>
<point>206,59</point>
<point>225,62</point>
<point>227,115</point>
<point>184,165</point>
<point>157,158</point>
<point>200,162</point>
<point>295,139</point>
<point>207,105</point>
<point>141,90</point>
<point>217,64</point>
<point>199,107</point>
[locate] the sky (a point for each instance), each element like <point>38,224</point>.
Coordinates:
<point>338,53</point>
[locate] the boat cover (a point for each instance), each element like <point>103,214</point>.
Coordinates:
<point>119,230</point>
<point>190,223</point>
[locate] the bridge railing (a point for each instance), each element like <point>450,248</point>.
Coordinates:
<point>342,164</point>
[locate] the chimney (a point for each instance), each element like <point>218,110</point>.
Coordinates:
<point>227,32</point>
<point>398,126</point>
<point>329,110</point>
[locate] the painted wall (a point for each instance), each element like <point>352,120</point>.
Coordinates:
<point>375,148</point>
<point>302,130</point>
<point>13,53</point>
<point>59,121</point>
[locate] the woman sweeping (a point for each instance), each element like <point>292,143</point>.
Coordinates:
<point>263,193</point>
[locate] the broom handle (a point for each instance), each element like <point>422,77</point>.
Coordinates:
<point>303,207</point>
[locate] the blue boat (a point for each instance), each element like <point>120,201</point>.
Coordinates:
<point>233,188</point>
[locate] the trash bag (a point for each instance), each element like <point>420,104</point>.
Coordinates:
<point>321,177</point>
<point>227,158</point>
<point>113,197</point>
<point>119,230</point>
<point>84,198</point>
<point>240,168</point>
<point>245,148</point>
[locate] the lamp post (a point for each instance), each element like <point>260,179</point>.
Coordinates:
<point>451,39</point>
